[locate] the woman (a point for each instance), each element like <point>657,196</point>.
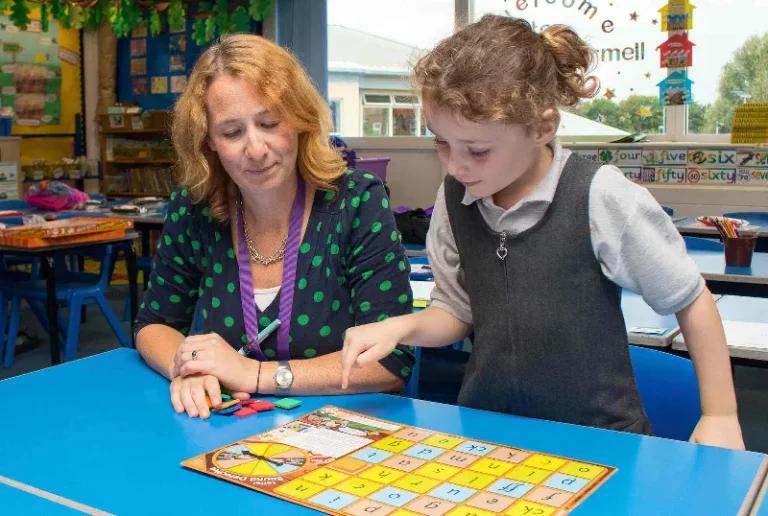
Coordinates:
<point>268,225</point>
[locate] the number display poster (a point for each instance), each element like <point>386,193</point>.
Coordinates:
<point>31,72</point>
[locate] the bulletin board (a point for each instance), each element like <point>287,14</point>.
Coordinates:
<point>69,55</point>
<point>152,70</point>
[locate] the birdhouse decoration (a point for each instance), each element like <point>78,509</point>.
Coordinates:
<point>675,90</point>
<point>676,52</point>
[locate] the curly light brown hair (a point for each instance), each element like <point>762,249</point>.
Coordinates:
<point>285,89</point>
<point>499,69</point>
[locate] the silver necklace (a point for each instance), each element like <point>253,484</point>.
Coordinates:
<point>255,255</point>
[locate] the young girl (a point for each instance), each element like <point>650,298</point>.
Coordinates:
<point>531,245</point>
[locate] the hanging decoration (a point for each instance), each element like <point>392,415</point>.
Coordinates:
<point>676,52</point>
<point>675,90</point>
<point>211,19</point>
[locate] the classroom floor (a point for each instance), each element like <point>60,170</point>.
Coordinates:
<point>440,377</point>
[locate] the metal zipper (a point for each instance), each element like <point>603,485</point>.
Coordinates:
<point>501,252</point>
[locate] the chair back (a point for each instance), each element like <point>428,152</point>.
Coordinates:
<point>703,244</point>
<point>669,390</point>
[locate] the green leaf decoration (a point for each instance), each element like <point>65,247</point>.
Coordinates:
<point>57,9</point>
<point>64,20</point>
<point>241,22</point>
<point>222,16</point>
<point>254,9</point>
<point>117,21</point>
<point>132,15</point>
<point>177,16</point>
<point>4,4</point>
<point>210,29</point>
<point>44,17</point>
<point>266,8</point>
<point>155,23</point>
<point>20,14</point>
<point>198,32</point>
<point>76,18</point>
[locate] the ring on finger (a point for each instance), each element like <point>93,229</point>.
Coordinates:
<point>194,354</point>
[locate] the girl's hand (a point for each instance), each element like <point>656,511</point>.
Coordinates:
<point>723,431</point>
<point>366,344</point>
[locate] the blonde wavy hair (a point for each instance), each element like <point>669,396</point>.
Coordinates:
<point>499,69</point>
<point>285,89</point>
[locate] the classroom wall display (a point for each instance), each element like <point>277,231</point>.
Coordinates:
<point>30,72</point>
<point>152,70</point>
<point>683,165</point>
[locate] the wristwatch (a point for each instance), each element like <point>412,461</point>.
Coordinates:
<point>283,378</point>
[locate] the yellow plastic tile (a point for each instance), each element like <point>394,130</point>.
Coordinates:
<point>581,470</point>
<point>416,484</point>
<point>442,441</point>
<point>325,477</point>
<point>437,471</point>
<point>491,466</point>
<point>473,479</point>
<point>358,486</point>
<point>392,444</point>
<point>544,462</point>
<point>300,489</point>
<point>381,474</point>
<point>526,474</point>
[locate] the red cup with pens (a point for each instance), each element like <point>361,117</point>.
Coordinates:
<point>739,247</point>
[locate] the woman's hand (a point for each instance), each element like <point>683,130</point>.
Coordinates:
<point>188,393</point>
<point>211,355</point>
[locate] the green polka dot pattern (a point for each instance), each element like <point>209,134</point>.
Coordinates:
<point>351,245</point>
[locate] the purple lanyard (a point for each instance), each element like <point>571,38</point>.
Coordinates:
<point>250,310</point>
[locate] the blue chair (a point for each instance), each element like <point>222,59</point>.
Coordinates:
<point>14,205</point>
<point>669,211</point>
<point>669,390</point>
<point>75,290</point>
<point>757,218</point>
<point>703,244</point>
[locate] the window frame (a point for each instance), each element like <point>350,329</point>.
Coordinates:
<point>676,116</point>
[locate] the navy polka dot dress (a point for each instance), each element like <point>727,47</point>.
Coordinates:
<point>351,270</point>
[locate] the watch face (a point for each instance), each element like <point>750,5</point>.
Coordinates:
<point>284,378</point>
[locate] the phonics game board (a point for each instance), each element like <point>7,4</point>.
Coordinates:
<point>342,462</point>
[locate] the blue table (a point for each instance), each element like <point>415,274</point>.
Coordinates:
<point>743,309</point>
<point>761,506</point>
<point>17,501</point>
<point>637,313</point>
<point>109,439</point>
<point>752,281</point>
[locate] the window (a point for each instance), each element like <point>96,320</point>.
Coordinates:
<point>729,62</point>
<point>372,46</point>
<point>625,37</point>
<point>336,115</point>
<point>391,115</point>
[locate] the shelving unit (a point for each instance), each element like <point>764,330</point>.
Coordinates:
<point>137,156</point>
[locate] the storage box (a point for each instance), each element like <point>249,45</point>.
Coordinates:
<point>376,166</point>
<point>59,232</point>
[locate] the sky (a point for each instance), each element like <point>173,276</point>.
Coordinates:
<point>719,28</point>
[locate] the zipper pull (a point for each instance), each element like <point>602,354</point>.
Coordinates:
<point>501,252</point>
